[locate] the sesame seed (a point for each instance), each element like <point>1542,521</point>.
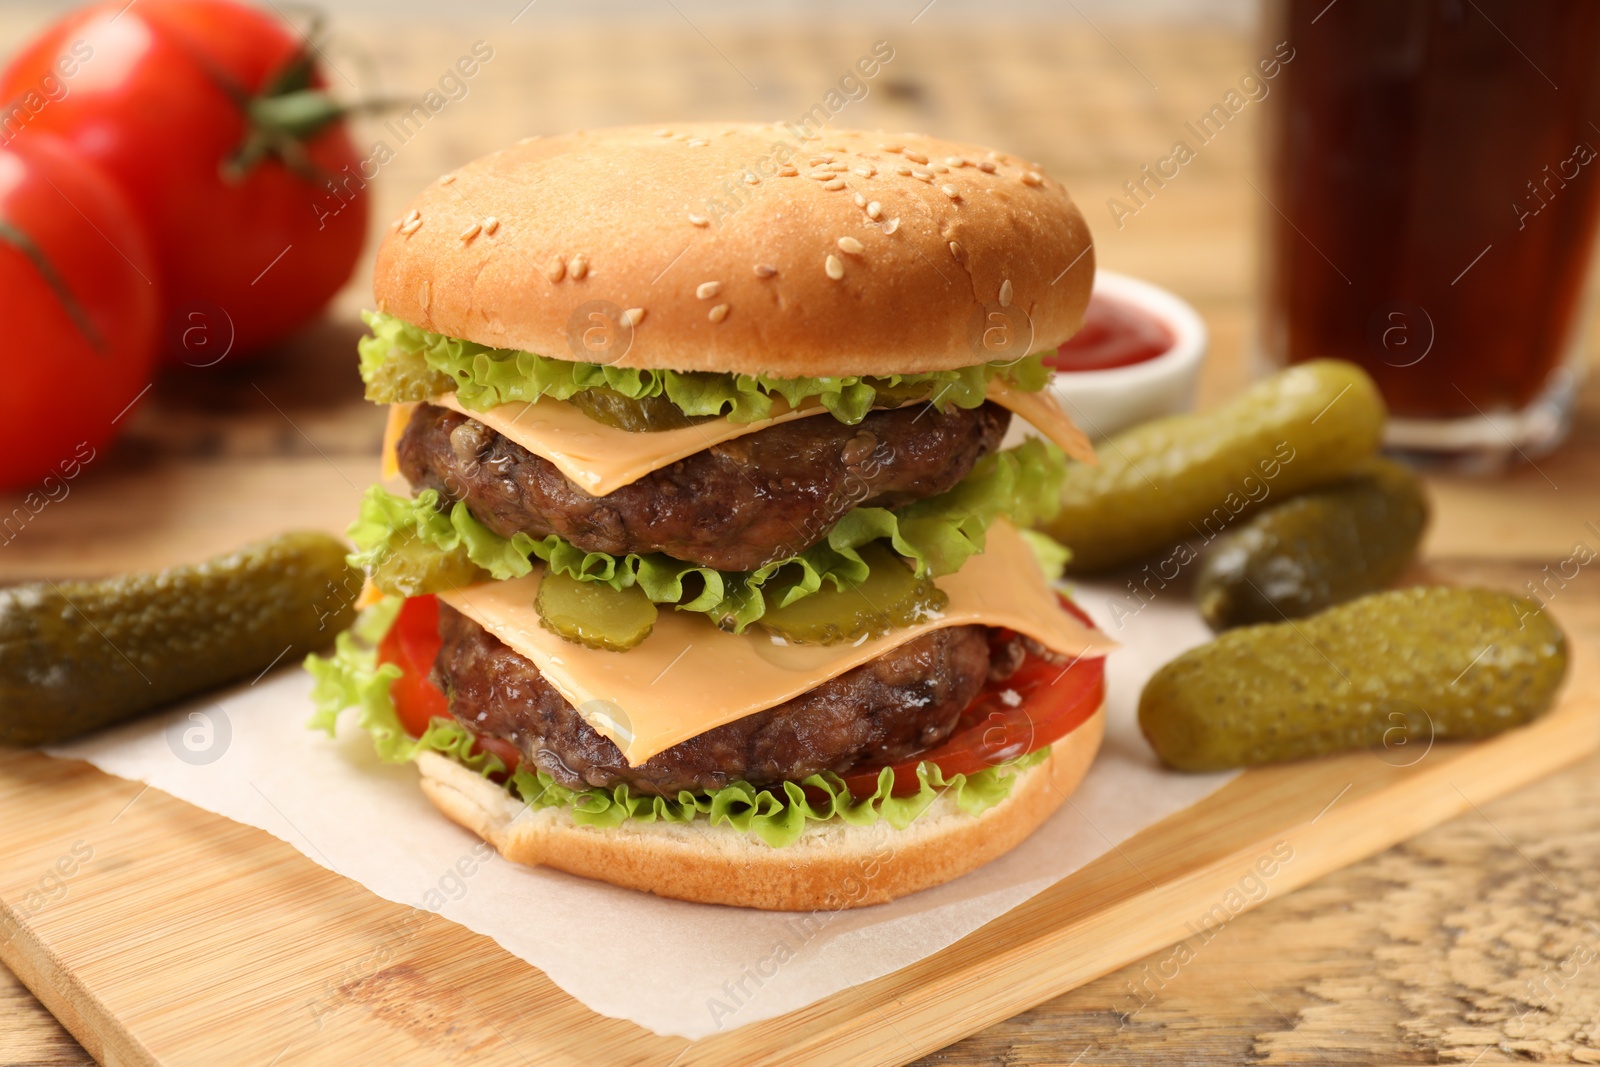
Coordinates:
<point>839,168</point>
<point>816,161</point>
<point>787,171</point>
<point>996,156</point>
<point>763,270</point>
<point>955,250</point>
<point>718,313</point>
<point>922,175</point>
<point>837,183</point>
<point>939,168</point>
<point>1005,293</point>
<point>556,269</point>
<point>424,294</point>
<point>698,220</point>
<point>412,216</point>
<point>633,316</point>
<point>851,245</point>
<point>663,132</point>
<point>707,290</point>
<point>1031,177</point>
<point>835,148</point>
<point>471,231</point>
<point>866,170</point>
<point>892,225</point>
<point>955,161</point>
<point>578,268</point>
<point>903,170</point>
<point>892,147</point>
<point>751,179</point>
<point>985,165</point>
<point>916,157</point>
<point>874,209</point>
<point>820,175</point>
<point>447,179</point>
<point>490,225</point>
<point>951,191</point>
<point>834,266</point>
<point>698,142</point>
<point>411,227</point>
<point>861,201</point>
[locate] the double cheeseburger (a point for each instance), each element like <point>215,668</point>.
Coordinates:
<point>703,569</point>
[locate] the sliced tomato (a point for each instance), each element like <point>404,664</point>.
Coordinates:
<point>1038,705</point>
<point>412,644</point>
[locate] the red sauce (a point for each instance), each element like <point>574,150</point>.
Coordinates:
<point>1116,333</point>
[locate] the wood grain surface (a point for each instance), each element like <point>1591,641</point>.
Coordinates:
<point>1470,942</point>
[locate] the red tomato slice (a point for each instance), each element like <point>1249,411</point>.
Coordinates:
<point>1038,705</point>
<point>412,644</point>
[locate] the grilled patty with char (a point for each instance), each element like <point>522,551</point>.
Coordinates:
<point>885,710</point>
<point>734,506</point>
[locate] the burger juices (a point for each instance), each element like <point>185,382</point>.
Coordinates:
<point>702,570</point>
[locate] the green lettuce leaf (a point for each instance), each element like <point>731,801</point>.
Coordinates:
<point>352,678</point>
<point>401,362</point>
<point>938,534</point>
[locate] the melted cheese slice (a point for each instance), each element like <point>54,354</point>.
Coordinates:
<point>601,459</point>
<point>688,677</point>
<point>1046,414</point>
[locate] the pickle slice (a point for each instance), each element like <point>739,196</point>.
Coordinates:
<point>640,415</point>
<point>593,614</point>
<point>891,596</point>
<point>414,567</point>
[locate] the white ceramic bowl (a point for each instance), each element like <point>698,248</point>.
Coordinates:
<point>1102,402</point>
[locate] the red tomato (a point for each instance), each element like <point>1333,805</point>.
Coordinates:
<point>159,93</point>
<point>1038,705</point>
<point>412,644</point>
<point>82,315</point>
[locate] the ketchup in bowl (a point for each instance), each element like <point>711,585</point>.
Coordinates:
<point>1116,333</point>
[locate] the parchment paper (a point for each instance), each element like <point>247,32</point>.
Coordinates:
<point>247,755</point>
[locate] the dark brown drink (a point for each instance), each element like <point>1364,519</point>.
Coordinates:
<point>1434,177</point>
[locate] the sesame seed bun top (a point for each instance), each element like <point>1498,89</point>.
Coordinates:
<point>744,248</point>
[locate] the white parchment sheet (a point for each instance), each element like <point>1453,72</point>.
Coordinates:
<point>249,756</point>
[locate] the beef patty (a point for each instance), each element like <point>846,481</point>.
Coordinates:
<point>906,700</point>
<point>734,506</point>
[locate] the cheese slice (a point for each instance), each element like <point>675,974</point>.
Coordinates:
<point>1045,412</point>
<point>688,677</point>
<point>601,459</point>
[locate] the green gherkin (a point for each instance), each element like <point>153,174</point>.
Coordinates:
<point>1189,476</point>
<point>1409,665</point>
<point>1315,550</point>
<point>79,655</point>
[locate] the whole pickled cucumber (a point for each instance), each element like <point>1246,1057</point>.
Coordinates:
<point>1189,476</point>
<point>1315,550</point>
<point>1406,665</point>
<point>78,655</point>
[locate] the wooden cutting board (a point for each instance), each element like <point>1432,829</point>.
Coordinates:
<point>159,933</point>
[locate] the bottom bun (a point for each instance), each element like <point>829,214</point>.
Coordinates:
<point>833,865</point>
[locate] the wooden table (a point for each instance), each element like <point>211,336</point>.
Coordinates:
<point>1434,951</point>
